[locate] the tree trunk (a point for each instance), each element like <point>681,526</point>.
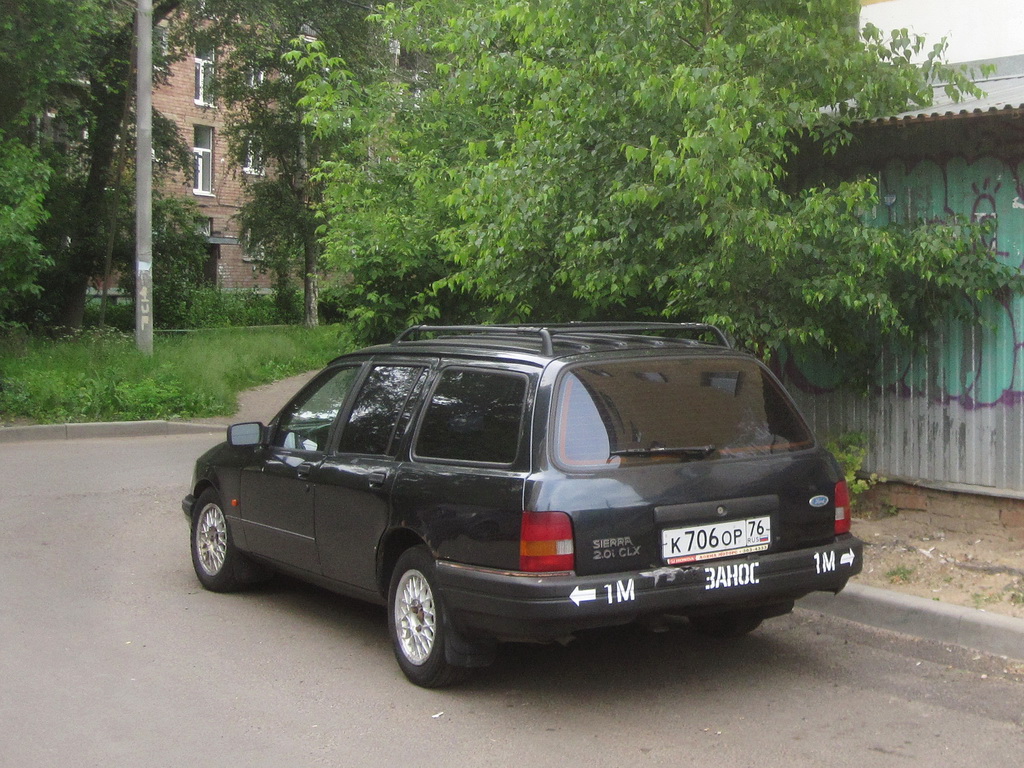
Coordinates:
<point>72,314</point>
<point>108,102</point>
<point>89,231</point>
<point>310,246</point>
<point>311,281</point>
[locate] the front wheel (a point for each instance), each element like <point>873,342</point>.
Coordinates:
<point>417,622</point>
<point>219,565</point>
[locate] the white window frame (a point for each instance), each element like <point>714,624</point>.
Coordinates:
<point>256,78</point>
<point>202,154</point>
<point>204,63</point>
<point>253,164</point>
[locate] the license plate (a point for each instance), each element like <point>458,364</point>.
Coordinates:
<point>706,542</point>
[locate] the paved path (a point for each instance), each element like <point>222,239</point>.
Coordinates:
<point>263,403</point>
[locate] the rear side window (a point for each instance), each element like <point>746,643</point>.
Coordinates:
<point>474,415</point>
<point>673,410</point>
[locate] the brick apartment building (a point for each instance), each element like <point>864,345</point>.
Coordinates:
<point>215,183</point>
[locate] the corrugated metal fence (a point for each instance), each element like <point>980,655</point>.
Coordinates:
<point>954,414</point>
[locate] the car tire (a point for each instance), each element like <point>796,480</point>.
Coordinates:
<point>218,563</point>
<point>728,624</point>
<point>418,624</point>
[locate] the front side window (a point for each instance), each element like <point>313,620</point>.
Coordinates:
<point>474,415</point>
<point>202,153</point>
<point>374,423</point>
<point>646,411</point>
<point>306,425</point>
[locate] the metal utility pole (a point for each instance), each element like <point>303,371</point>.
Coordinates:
<point>144,177</point>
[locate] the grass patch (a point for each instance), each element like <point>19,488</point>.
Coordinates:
<point>101,376</point>
<point>981,599</point>
<point>887,511</point>
<point>901,574</point>
<point>1016,591</point>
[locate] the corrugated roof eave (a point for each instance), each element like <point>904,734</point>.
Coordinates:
<point>1004,96</point>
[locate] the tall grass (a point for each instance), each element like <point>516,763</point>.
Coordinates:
<point>100,376</point>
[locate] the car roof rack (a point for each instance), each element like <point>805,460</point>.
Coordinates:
<point>566,331</point>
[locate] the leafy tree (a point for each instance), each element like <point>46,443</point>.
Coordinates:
<point>23,182</point>
<point>396,146</point>
<point>32,83</point>
<point>68,88</point>
<point>179,259</point>
<point>575,158</point>
<point>257,81</point>
<point>43,49</point>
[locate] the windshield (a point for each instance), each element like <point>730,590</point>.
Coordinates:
<point>660,410</point>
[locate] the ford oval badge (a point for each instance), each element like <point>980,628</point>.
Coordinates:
<point>819,501</point>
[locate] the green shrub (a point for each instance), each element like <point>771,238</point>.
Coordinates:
<point>118,315</point>
<point>210,307</point>
<point>850,450</point>
<point>206,307</point>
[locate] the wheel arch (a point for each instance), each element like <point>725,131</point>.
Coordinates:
<point>202,487</point>
<point>394,544</point>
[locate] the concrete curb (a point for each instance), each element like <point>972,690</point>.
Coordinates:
<point>920,617</point>
<point>104,429</point>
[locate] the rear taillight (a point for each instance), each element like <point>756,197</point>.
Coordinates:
<point>842,508</point>
<point>545,542</point>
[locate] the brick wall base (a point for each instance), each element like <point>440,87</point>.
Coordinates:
<point>945,509</point>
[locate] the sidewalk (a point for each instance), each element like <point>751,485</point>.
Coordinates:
<point>881,608</point>
<point>923,618</point>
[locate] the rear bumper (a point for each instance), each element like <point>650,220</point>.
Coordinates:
<point>509,606</point>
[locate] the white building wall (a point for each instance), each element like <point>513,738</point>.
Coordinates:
<point>975,29</point>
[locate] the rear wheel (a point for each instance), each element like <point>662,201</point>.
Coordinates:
<point>418,624</point>
<point>219,565</point>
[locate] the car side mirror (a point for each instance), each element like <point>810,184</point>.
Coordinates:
<point>248,433</point>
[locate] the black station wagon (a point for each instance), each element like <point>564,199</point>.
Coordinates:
<point>500,483</point>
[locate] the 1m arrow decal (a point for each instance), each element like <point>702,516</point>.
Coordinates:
<point>583,595</point>
<point>619,592</point>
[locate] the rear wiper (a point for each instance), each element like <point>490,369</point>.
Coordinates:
<point>696,451</point>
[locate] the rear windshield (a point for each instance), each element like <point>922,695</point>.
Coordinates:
<point>661,410</point>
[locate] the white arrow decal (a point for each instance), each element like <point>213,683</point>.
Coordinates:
<point>847,558</point>
<point>583,595</point>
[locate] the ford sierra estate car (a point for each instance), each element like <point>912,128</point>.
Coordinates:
<point>509,483</point>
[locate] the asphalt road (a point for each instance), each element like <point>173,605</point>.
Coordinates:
<point>112,655</point>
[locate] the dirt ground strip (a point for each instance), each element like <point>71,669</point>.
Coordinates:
<point>955,548</point>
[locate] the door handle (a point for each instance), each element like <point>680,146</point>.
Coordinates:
<point>304,469</point>
<point>376,478</point>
